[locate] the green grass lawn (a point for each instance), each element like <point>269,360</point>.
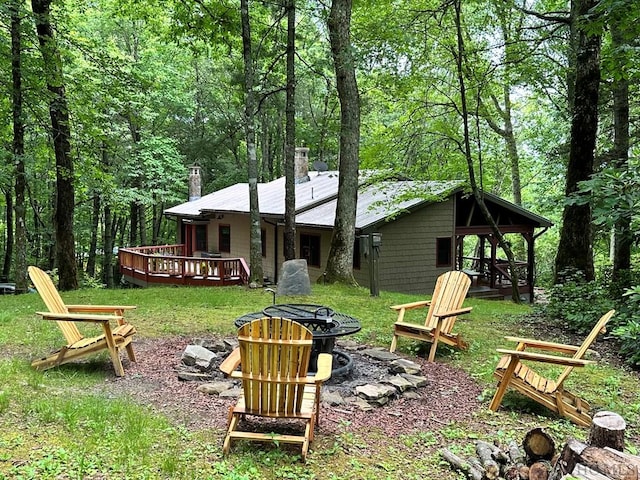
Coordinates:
<point>53,427</point>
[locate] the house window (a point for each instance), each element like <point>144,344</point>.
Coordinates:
<point>201,237</point>
<point>443,252</point>
<point>310,249</point>
<point>263,241</point>
<point>224,238</point>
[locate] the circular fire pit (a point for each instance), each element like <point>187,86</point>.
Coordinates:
<point>325,324</point>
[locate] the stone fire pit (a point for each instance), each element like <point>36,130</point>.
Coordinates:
<point>375,377</point>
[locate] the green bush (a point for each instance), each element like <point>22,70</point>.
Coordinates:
<point>628,329</point>
<point>578,303</point>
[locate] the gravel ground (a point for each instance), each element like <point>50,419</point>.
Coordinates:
<point>451,394</point>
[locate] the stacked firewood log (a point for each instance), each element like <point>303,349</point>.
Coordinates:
<point>602,458</point>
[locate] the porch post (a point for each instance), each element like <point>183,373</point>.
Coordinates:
<point>531,263</point>
<point>492,266</point>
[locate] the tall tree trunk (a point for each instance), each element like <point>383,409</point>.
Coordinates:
<point>158,207</point>
<point>8,253</point>
<point>133,220</point>
<point>255,234</point>
<point>575,249</point>
<point>107,245</point>
<point>61,133</point>
<point>623,237</point>
<point>290,137</point>
<point>18,151</point>
<point>93,242</point>
<point>477,192</point>
<point>340,261</point>
<point>142,218</point>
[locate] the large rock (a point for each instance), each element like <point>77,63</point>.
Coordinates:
<point>402,365</point>
<point>295,278</point>
<point>198,357</point>
<point>375,393</point>
<point>381,354</point>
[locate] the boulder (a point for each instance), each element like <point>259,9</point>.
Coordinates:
<point>295,278</point>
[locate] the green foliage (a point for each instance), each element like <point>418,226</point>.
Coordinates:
<point>578,303</point>
<point>614,195</point>
<point>628,331</point>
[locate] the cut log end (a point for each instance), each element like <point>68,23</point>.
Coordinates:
<point>538,445</point>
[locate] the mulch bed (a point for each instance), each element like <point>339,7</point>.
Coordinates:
<point>451,395</point>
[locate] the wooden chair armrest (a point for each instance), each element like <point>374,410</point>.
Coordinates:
<point>544,358</point>
<point>99,308</point>
<point>453,313</point>
<point>325,361</point>
<point>409,306</point>
<point>230,363</point>
<point>77,317</point>
<point>551,346</point>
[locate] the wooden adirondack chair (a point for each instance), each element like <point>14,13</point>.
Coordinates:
<point>67,317</point>
<point>443,310</point>
<point>273,355</point>
<point>511,372</point>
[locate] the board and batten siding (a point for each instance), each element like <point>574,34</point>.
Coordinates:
<point>407,261</point>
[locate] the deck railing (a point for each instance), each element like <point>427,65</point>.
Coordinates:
<point>166,264</point>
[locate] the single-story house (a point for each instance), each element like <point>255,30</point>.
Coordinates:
<point>420,225</point>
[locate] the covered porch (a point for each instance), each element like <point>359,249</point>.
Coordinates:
<point>481,257</point>
<point>168,265</point>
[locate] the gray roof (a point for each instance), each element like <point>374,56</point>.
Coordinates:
<point>316,200</point>
<point>235,199</point>
<point>381,202</point>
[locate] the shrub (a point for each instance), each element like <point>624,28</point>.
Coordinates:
<point>628,330</point>
<point>578,303</point>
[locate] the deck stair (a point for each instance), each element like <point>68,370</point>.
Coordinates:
<point>485,293</point>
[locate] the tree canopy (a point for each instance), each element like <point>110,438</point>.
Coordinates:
<point>153,87</point>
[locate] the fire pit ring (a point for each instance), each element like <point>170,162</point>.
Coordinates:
<point>347,367</point>
<point>325,325</point>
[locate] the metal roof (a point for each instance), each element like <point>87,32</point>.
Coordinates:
<point>316,200</point>
<point>381,202</point>
<point>235,199</point>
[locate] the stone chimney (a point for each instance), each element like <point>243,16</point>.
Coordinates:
<point>301,165</point>
<point>195,182</point>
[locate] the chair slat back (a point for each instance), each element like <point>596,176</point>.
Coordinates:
<point>274,356</point>
<point>449,294</point>
<point>599,328</point>
<point>54,302</point>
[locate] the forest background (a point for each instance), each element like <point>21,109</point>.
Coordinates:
<point>107,102</point>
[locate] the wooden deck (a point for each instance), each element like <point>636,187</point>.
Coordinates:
<point>165,265</point>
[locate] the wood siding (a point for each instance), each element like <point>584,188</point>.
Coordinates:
<point>408,253</point>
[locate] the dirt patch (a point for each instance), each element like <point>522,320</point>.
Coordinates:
<point>451,394</point>
<point>606,345</point>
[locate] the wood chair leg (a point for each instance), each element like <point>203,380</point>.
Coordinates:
<point>432,350</point>
<point>113,349</point>
<point>131,353</point>
<point>317,414</point>
<point>434,344</point>
<point>233,423</point>
<point>503,384</point>
<point>394,343</point>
